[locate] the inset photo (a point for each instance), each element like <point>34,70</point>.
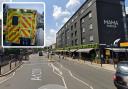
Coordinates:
<point>23,24</point>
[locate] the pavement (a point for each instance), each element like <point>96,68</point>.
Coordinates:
<point>6,72</point>
<point>6,68</point>
<point>43,73</point>
<point>104,66</point>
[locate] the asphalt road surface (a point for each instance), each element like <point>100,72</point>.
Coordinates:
<point>39,73</point>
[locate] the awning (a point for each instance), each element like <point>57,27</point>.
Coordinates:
<point>73,50</point>
<point>85,50</point>
<point>118,49</point>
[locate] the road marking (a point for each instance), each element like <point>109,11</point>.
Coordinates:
<point>36,74</point>
<point>7,78</point>
<point>59,73</point>
<point>86,84</point>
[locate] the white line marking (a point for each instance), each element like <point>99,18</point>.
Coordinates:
<point>76,77</point>
<point>36,74</point>
<point>59,73</point>
<point>8,78</point>
<point>11,76</point>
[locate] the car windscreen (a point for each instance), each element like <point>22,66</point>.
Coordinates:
<point>122,68</point>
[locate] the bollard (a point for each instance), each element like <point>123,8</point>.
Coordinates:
<point>0,69</point>
<point>15,63</point>
<point>10,65</point>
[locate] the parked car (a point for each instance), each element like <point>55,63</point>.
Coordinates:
<point>40,53</point>
<point>120,78</point>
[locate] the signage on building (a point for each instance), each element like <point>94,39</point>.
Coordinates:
<point>107,52</point>
<point>111,23</point>
<point>124,44</point>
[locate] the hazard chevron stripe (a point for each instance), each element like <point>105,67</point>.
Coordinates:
<point>25,33</point>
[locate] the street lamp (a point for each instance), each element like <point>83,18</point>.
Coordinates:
<point>115,44</point>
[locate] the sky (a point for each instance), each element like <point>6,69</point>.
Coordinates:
<point>57,13</point>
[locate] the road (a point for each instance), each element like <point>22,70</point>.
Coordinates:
<point>39,73</point>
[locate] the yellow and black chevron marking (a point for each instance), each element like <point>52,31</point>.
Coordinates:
<point>13,34</point>
<point>26,22</point>
<point>25,33</point>
<point>26,27</point>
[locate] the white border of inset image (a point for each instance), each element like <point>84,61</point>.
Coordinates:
<point>2,24</point>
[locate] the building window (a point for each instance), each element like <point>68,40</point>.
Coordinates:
<point>83,29</point>
<point>83,20</point>
<point>83,40</point>
<point>72,42</point>
<point>71,27</point>
<point>72,19</point>
<point>15,20</point>
<point>66,25</point>
<point>91,26</point>
<point>72,35</point>
<point>68,37</point>
<point>75,24</point>
<point>90,3</point>
<point>90,15</point>
<point>75,33</point>
<point>76,42</point>
<point>82,10</point>
<point>76,17</point>
<point>91,38</point>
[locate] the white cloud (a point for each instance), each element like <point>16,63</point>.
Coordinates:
<point>50,36</point>
<point>72,3</point>
<point>126,10</point>
<point>58,12</point>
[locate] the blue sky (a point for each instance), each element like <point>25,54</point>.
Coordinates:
<point>57,13</point>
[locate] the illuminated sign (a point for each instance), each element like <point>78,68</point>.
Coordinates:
<point>111,23</point>
<point>124,44</point>
<point>107,52</point>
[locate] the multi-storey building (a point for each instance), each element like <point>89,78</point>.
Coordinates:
<point>95,22</point>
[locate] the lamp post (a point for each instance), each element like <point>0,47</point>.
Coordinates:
<point>115,44</point>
